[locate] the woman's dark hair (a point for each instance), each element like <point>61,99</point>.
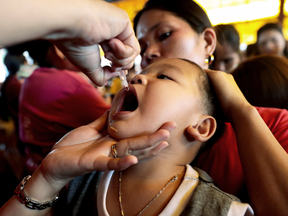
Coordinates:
<point>263,80</point>
<point>188,10</point>
<point>271,26</point>
<point>227,33</point>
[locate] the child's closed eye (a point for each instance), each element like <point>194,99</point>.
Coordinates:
<point>162,76</point>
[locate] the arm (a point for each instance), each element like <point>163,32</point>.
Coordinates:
<point>77,27</point>
<point>263,159</point>
<point>85,149</point>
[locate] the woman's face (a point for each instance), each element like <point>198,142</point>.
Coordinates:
<point>164,35</point>
<point>271,42</point>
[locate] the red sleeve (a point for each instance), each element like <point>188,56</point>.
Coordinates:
<point>222,161</point>
<point>277,121</point>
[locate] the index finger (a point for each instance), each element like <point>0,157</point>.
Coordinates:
<point>128,38</point>
<point>108,163</point>
<point>142,143</point>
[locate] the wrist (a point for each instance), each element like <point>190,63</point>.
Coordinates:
<point>28,201</point>
<point>40,189</point>
<point>243,115</point>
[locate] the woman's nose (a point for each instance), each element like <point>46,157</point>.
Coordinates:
<point>150,55</point>
<point>138,79</point>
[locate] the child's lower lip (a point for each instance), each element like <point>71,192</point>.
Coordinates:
<point>120,114</point>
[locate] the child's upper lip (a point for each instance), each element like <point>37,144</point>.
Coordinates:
<point>128,100</point>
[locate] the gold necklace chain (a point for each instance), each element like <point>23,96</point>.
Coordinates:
<point>174,178</point>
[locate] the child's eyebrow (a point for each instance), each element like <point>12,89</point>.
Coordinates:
<point>173,67</point>
<point>162,67</point>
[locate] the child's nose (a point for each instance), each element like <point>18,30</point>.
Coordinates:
<point>138,79</point>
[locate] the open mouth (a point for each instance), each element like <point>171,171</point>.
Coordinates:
<point>128,100</point>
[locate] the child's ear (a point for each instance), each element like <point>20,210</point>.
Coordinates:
<point>204,129</point>
<point>211,40</point>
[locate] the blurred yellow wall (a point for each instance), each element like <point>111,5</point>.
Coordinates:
<point>131,6</point>
<point>247,29</point>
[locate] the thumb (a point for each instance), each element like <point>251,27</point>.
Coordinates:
<point>100,124</point>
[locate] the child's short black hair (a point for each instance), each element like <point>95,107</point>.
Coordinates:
<point>210,104</point>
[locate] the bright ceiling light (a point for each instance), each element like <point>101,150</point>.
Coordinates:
<point>252,10</point>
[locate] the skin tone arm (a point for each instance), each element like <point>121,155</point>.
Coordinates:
<point>81,151</point>
<point>263,159</point>
<point>77,27</point>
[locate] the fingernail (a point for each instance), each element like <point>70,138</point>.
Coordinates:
<point>173,127</point>
<point>135,161</point>
<point>164,145</point>
<point>112,45</point>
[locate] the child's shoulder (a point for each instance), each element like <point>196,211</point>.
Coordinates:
<point>208,199</point>
<point>207,184</point>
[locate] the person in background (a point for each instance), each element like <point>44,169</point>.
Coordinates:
<point>270,40</point>
<point>10,89</point>
<point>227,53</point>
<point>263,80</point>
<point>50,100</point>
<point>180,28</point>
<point>251,50</point>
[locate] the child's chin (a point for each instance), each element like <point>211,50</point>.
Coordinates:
<point>117,135</point>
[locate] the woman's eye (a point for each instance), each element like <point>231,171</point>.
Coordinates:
<point>164,36</point>
<point>162,76</point>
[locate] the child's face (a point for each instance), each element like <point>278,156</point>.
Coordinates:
<point>165,91</point>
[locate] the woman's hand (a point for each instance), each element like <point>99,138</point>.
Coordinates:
<point>88,148</point>
<point>228,93</point>
<point>77,28</point>
<point>102,24</point>
<point>83,150</point>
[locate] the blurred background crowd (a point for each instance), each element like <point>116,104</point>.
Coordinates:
<point>37,79</point>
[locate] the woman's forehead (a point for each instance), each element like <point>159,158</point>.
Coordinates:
<point>154,17</point>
